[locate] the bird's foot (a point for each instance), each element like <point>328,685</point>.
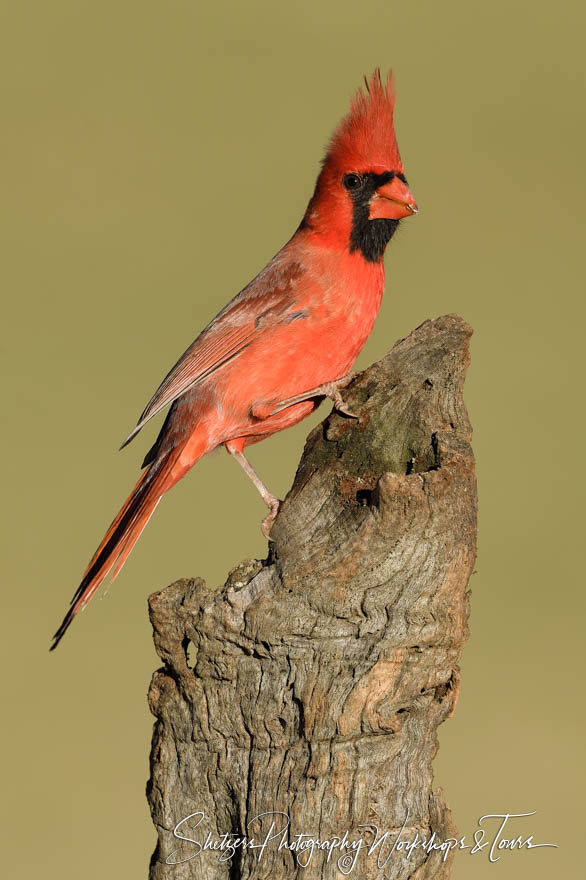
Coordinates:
<point>329,389</point>
<point>271,516</point>
<point>271,501</point>
<point>332,390</point>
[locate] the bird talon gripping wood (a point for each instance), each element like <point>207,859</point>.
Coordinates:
<point>269,519</point>
<point>329,389</point>
<point>299,324</point>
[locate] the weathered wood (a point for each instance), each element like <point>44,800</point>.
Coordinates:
<point>313,683</point>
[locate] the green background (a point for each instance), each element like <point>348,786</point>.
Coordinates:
<point>154,157</point>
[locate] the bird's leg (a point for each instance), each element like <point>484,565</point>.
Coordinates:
<point>271,501</point>
<point>329,389</point>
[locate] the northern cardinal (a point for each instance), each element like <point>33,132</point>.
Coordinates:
<point>288,339</point>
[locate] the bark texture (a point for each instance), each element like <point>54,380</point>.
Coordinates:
<point>310,687</point>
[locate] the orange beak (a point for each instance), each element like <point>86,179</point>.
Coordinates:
<point>392,201</point>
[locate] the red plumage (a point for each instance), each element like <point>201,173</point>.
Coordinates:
<point>365,138</point>
<point>268,358</point>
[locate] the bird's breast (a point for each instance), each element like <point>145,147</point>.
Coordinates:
<point>333,310</point>
<point>350,307</point>
<point>334,315</point>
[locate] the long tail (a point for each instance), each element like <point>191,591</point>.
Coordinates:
<point>122,535</point>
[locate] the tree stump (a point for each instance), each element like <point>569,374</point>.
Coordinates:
<point>303,698</point>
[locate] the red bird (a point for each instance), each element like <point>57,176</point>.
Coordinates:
<point>288,339</point>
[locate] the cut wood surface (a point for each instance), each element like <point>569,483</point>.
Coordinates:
<point>304,697</point>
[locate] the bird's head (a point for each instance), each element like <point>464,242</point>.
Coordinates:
<point>361,192</point>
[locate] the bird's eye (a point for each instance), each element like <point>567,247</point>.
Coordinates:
<point>352,181</point>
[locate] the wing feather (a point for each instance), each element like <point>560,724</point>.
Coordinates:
<point>252,312</point>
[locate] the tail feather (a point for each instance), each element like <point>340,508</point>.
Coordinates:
<point>121,537</point>
<point>132,537</point>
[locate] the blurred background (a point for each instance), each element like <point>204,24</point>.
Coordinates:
<point>154,157</point>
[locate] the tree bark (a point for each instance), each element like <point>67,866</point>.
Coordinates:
<point>310,687</point>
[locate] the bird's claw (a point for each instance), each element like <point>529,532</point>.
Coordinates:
<point>339,404</point>
<point>329,389</point>
<point>269,519</point>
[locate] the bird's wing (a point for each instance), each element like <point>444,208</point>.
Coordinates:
<point>256,309</point>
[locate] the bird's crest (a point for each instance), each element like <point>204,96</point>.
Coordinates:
<point>365,138</point>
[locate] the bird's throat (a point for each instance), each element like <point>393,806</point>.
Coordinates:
<point>370,237</point>
<point>349,226</point>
